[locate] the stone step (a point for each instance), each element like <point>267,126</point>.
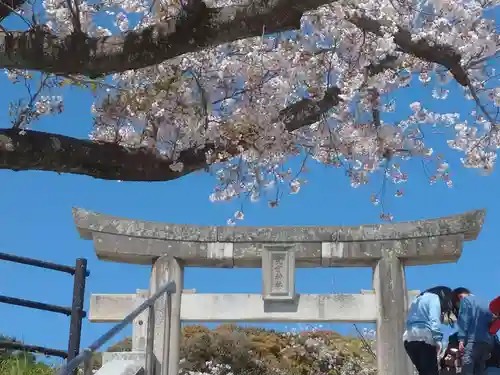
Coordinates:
<point>121,367</point>
<point>136,356</point>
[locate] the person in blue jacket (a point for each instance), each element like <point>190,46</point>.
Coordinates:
<point>423,335</point>
<point>473,322</point>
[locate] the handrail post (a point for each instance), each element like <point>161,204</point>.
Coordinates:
<point>75,328</point>
<point>87,365</point>
<point>150,358</point>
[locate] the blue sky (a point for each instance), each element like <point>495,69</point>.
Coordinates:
<point>36,222</point>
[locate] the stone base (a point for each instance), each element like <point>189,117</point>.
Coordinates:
<point>136,357</point>
<point>121,367</point>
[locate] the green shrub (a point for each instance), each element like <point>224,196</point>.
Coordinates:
<point>21,365</point>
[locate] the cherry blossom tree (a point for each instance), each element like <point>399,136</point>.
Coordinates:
<point>241,86</point>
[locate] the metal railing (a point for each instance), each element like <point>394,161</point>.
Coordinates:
<point>86,355</point>
<point>75,312</point>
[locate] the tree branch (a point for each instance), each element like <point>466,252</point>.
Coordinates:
<point>9,6</point>
<point>197,28</point>
<point>308,111</point>
<point>34,150</point>
<point>423,49</point>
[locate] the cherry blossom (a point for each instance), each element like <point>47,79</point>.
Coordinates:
<point>234,101</point>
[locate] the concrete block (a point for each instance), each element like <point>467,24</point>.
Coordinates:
<point>120,367</point>
<point>136,357</point>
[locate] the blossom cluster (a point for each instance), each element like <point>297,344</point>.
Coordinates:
<point>312,348</point>
<point>230,99</point>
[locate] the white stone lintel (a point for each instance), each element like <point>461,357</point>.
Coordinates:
<point>249,308</point>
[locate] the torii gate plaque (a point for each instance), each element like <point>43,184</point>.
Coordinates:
<point>387,248</point>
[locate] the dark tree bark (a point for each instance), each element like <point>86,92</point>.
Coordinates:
<point>197,28</point>
<point>8,6</point>
<point>34,150</point>
<point>200,27</point>
<point>423,49</point>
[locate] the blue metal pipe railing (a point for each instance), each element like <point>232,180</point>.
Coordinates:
<point>86,354</point>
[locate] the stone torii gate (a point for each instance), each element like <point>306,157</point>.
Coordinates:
<point>387,248</point>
